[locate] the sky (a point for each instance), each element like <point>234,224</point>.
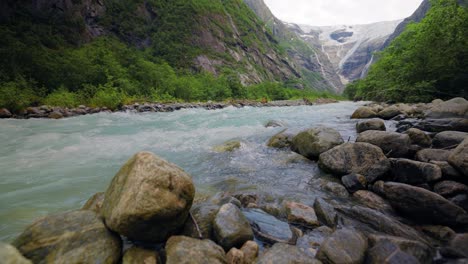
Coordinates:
<point>337,12</point>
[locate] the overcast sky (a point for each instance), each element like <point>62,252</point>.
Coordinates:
<point>337,12</point>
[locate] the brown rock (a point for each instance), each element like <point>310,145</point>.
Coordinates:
<point>186,250</point>
<point>235,256</point>
<point>428,155</point>
<point>94,203</point>
<point>414,172</point>
<point>363,112</point>
<point>4,113</point>
<point>450,188</point>
<point>393,144</point>
<point>418,137</point>
<point>136,255</point>
<point>10,255</point>
<point>373,124</point>
<point>250,250</point>
<point>301,214</point>
<point>373,201</point>
<point>459,158</point>
<point>343,246</point>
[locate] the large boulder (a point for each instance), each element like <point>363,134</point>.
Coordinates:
<point>186,250</point>
<point>204,215</point>
<point>389,112</point>
<point>285,254</point>
<point>250,250</point>
<point>450,188</point>
<point>71,237</point>
<point>456,107</point>
<point>149,199</point>
<point>422,205</point>
<point>394,144</point>
<point>414,172</point>
<point>418,137</point>
<point>343,246</point>
<point>4,113</point>
<point>373,124</point>
<point>10,255</point>
<point>281,140</point>
<point>459,158</point>
<point>231,228</point>
<point>137,255</point>
<point>363,113</point>
<point>360,158</point>
<point>448,139</point>
<point>268,228</point>
<point>312,142</point>
<point>428,155</point>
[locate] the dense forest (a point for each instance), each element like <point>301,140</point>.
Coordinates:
<point>428,60</point>
<point>144,55</point>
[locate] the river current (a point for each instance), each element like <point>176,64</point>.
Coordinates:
<point>47,166</point>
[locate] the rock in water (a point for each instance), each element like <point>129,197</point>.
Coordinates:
<point>301,214</point>
<point>269,228</point>
<point>231,228</point>
<point>373,124</point>
<point>186,250</point>
<point>250,250</point>
<point>363,112</point>
<point>95,203</point>
<point>136,255</point>
<point>360,158</point>
<point>149,199</point>
<point>389,112</point>
<point>423,205</point>
<point>4,113</point>
<point>204,215</point>
<point>459,158</point>
<point>312,142</point>
<point>280,140</point>
<point>386,252</point>
<point>72,237</point>
<point>228,146</point>
<point>343,246</point>
<point>10,255</point>
<point>393,144</point>
<point>414,172</point>
<point>448,139</point>
<point>285,254</point>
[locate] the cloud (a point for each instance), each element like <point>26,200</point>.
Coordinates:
<point>335,12</point>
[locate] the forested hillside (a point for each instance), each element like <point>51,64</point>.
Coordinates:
<point>428,60</point>
<point>110,52</point>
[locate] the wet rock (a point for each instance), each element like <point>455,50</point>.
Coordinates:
<point>373,201</point>
<point>373,124</point>
<point>269,228</point>
<point>428,155</point>
<point>204,215</point>
<point>275,123</point>
<point>71,237</point>
<point>281,140</point>
<point>381,222</point>
<point>441,233</point>
<point>136,255</point>
<point>450,188</point>
<point>389,112</point>
<point>325,212</point>
<point>301,214</point>
<point>250,250</point>
<point>148,199</point>
<point>312,142</point>
<point>285,254</point>
<point>457,247</point>
<point>4,113</point>
<point>310,242</point>
<point>55,115</point>
<point>343,246</point>
<point>94,203</point>
<point>414,172</point>
<point>10,255</point>
<point>361,158</point>
<point>354,182</point>
<point>418,137</point>
<point>231,228</point>
<point>228,146</point>
<point>363,112</point>
<point>422,205</point>
<point>386,252</point>
<point>449,139</point>
<point>235,256</point>
<point>456,107</point>
<point>440,125</point>
<point>393,144</point>
<point>417,249</point>
<point>459,158</point>
<point>185,250</point>
<point>336,189</point>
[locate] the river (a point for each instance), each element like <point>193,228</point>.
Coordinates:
<point>47,166</point>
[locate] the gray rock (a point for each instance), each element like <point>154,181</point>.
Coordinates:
<point>428,155</point>
<point>325,212</point>
<point>137,255</point>
<point>10,255</point>
<point>187,250</point>
<point>417,249</point>
<point>440,125</point>
<point>4,113</point>
<point>354,182</point>
<point>441,233</point>
<point>310,242</point>
<point>386,252</point>
<point>450,188</point>
<point>95,203</point>
<point>361,158</point>
<point>459,158</point>
<point>414,172</point>
<point>274,123</point>
<point>148,199</point>
<point>363,113</point>
<point>373,124</point>
<point>71,237</point>
<point>448,171</point>
<point>393,144</point>
<point>373,201</point>
<point>285,254</point>
<point>231,228</point>
<point>418,137</point>
<point>422,205</point>
<point>456,107</point>
<point>336,189</point>
<point>281,140</point>
<point>343,246</point>
<point>312,142</point>
<point>457,247</point>
<point>448,139</point>
<point>269,228</point>
<point>204,214</point>
<point>389,112</point>
<point>301,214</point>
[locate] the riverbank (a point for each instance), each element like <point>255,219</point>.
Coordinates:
<point>58,112</point>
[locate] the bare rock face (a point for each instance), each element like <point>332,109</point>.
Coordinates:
<point>186,250</point>
<point>393,144</point>
<point>312,142</point>
<point>149,199</point>
<point>72,237</point>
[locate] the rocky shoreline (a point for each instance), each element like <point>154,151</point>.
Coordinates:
<point>401,197</point>
<point>59,112</point>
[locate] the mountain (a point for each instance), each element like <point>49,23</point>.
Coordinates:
<point>349,48</point>
<point>316,70</point>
